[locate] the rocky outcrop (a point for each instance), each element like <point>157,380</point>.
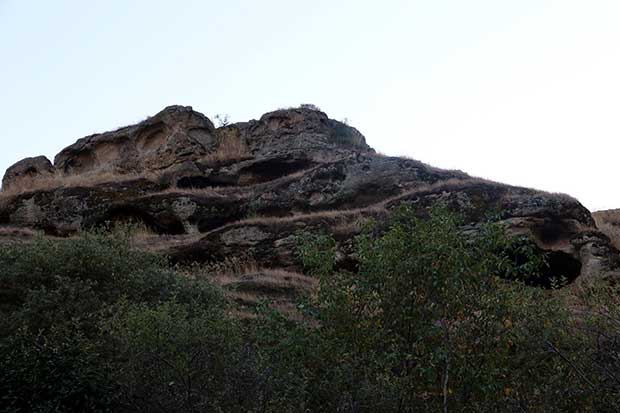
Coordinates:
<point>174,135</point>
<point>26,170</point>
<point>248,189</point>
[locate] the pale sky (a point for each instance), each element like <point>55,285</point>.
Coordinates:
<point>525,92</point>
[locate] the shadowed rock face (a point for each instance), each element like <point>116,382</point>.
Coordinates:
<point>248,188</point>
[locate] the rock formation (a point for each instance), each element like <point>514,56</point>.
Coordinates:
<point>246,189</point>
<point>25,171</point>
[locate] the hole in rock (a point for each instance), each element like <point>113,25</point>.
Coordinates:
<point>561,266</point>
<point>206,181</point>
<point>31,172</point>
<point>273,169</point>
<point>561,269</point>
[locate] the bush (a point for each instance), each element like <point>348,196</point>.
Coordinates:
<point>55,296</point>
<point>177,357</point>
<point>50,281</point>
<point>60,370</point>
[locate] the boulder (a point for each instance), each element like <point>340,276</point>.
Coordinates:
<point>24,172</point>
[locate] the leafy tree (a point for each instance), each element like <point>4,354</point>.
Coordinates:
<point>438,318</point>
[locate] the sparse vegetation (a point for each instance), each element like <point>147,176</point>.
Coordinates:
<point>222,120</point>
<point>310,106</point>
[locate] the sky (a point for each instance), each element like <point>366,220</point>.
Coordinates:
<point>525,92</point>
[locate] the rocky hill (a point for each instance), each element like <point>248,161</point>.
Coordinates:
<point>240,193</point>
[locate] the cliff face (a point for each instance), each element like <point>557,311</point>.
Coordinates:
<point>244,190</point>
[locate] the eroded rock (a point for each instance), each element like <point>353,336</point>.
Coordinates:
<point>249,188</point>
<point>172,136</point>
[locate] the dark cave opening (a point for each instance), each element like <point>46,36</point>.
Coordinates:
<point>273,169</point>
<point>552,230</point>
<point>201,182</point>
<point>560,269</point>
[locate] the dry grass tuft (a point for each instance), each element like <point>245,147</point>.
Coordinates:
<point>452,183</point>
<point>137,231</point>
<point>268,279</point>
<point>280,288</point>
<point>247,284</point>
<point>345,214</point>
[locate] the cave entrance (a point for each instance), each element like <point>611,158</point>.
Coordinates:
<point>201,182</point>
<point>272,169</point>
<point>561,269</point>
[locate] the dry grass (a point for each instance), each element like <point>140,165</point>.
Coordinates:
<point>331,214</point>
<point>247,284</point>
<point>270,279</point>
<point>230,266</point>
<point>162,243</point>
<point>230,147</point>
<point>280,288</point>
<point>462,183</point>
<point>466,178</point>
<point>461,174</point>
<point>58,180</point>
<point>138,231</point>
<point>216,192</point>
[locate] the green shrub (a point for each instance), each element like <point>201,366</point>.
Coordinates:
<point>61,370</point>
<point>177,358</point>
<point>55,296</point>
<point>49,281</point>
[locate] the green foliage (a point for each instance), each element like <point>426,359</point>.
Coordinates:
<point>437,316</point>
<point>429,305</point>
<point>317,252</point>
<point>176,358</point>
<point>48,281</point>
<point>55,297</point>
<point>58,371</point>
